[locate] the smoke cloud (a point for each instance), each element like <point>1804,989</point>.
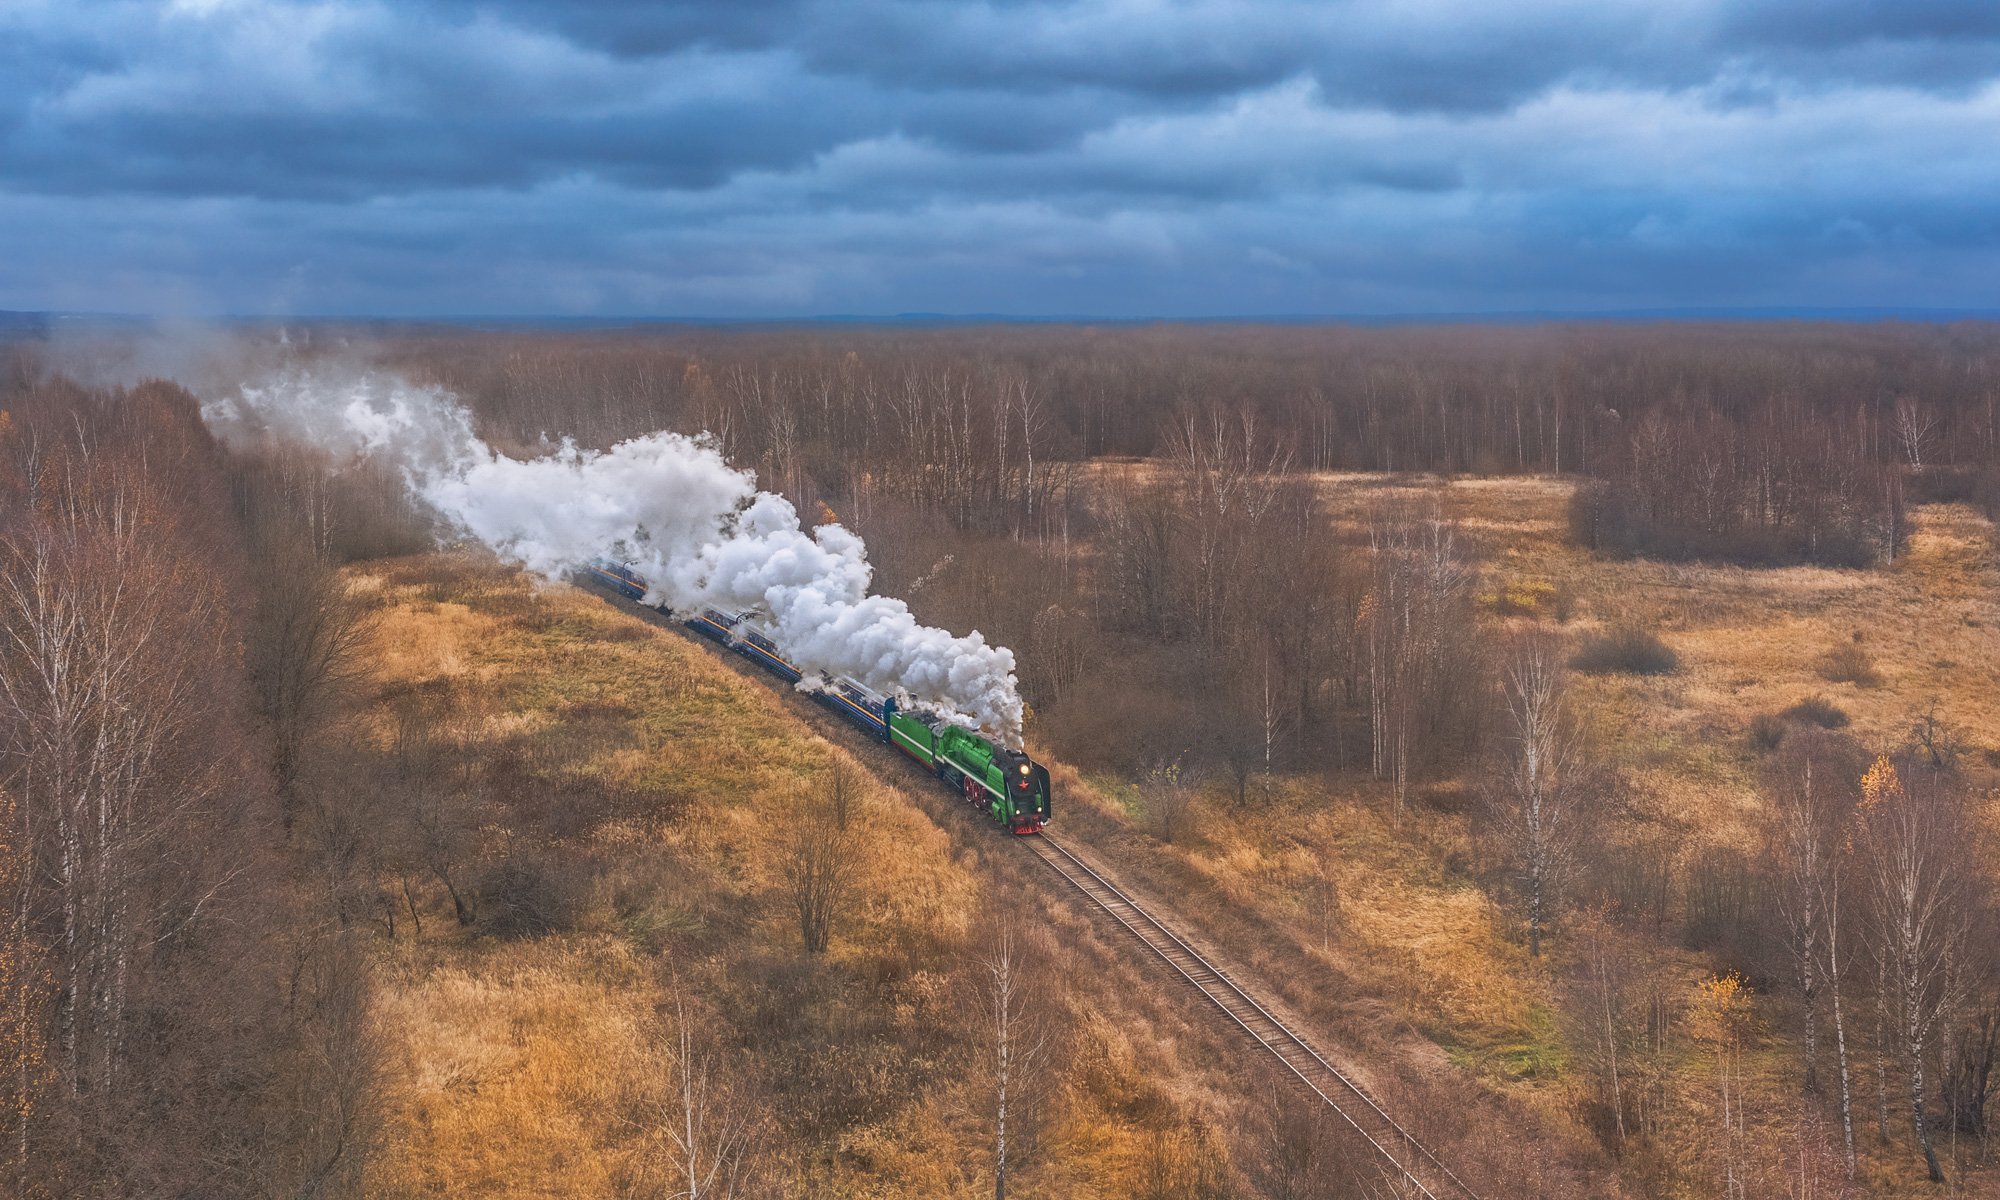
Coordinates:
<point>696,527</point>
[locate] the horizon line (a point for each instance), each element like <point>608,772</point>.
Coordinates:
<point>1848,314</point>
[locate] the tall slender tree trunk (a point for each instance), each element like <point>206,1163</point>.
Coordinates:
<point>1882,1051</point>
<point>1611,1046</point>
<point>1536,900</point>
<point>1810,988</point>
<point>1840,1052</point>
<point>1917,1122</point>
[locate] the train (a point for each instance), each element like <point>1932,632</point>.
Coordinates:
<point>1007,785</point>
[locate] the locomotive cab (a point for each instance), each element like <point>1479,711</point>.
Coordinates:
<point>1027,787</point>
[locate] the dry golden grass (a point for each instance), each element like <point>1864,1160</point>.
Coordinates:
<point>516,1067</point>
<point>1415,928</point>
<point>511,1070</point>
<point>501,1086</point>
<point>516,1064</point>
<point>1748,639</point>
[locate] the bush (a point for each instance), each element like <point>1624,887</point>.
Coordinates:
<point>1849,663</point>
<point>524,896</point>
<point>1562,603</point>
<point>1816,710</point>
<point>1625,650</point>
<point>1766,731</point>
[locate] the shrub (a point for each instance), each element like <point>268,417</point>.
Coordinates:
<point>1849,663</point>
<point>1816,710</point>
<point>1766,731</point>
<point>529,896</point>
<point>1625,650</point>
<point>1562,602</point>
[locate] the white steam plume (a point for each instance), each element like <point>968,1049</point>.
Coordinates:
<point>697,528</point>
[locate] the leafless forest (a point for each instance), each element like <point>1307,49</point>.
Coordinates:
<point>1252,606</point>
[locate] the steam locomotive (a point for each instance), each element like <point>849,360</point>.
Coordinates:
<point>1008,786</point>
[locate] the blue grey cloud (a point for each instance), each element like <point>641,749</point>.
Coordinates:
<point>1123,157</point>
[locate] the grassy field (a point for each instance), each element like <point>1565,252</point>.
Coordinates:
<point>1354,901</point>
<point>654,783</point>
<point>636,786</point>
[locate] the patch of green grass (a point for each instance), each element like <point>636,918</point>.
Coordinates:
<point>1122,792</point>
<point>1531,1054</point>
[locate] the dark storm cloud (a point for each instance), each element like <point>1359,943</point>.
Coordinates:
<point>1121,156</point>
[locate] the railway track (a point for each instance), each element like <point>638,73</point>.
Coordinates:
<point>1405,1157</point>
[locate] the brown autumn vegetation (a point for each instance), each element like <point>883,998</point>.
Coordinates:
<point>650,939</point>
<point>185,1014</point>
<point>1612,784</point>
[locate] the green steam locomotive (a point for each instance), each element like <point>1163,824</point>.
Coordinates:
<point>1007,785</point>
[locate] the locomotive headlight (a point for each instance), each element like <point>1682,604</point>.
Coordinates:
<point>1024,768</point>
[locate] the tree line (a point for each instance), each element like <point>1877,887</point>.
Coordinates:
<point>183,1013</point>
<point>968,422</point>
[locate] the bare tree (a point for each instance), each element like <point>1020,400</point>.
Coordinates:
<point>843,794</point>
<point>703,1126</point>
<point>100,694</point>
<point>1837,956</point>
<point>1543,795</point>
<point>1717,1018</point>
<point>1915,838</point>
<point>1810,843</point>
<point>308,634</point>
<point>1183,1162</point>
<point>1323,894</point>
<point>440,827</point>
<point>820,866</point>
<point>1300,1155</point>
<point>324,1121</point>
<point>1016,1018</point>
<point>1916,427</point>
<point>1421,661</point>
<point>23,988</point>
<point>1804,854</point>
<point>1969,1075</point>
<point>148,880</point>
<point>308,648</point>
<point>1602,999</point>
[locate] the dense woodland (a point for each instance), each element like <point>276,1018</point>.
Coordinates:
<point>201,851</point>
<point>183,1009</point>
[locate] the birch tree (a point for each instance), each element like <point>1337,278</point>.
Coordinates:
<point>702,1124</point>
<point>104,695</point>
<point>1810,844</point>
<point>1718,1018</point>
<point>1016,1013</point>
<point>1914,835</point>
<point>23,989</point>
<point>1544,792</point>
<point>1804,856</point>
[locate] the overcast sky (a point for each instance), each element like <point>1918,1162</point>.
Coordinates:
<point>1103,157</point>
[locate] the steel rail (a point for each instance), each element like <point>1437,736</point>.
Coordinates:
<point>1280,1037</point>
<point>1053,854</point>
